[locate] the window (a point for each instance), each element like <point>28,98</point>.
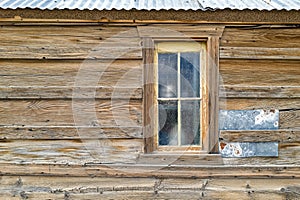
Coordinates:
<point>177,67</point>
<point>181,93</point>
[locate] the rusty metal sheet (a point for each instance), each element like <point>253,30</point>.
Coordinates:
<point>249,149</point>
<point>248,119</point>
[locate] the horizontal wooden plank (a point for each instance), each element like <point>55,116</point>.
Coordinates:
<point>259,72</point>
<point>69,113</point>
<point>162,171</point>
<point>64,30</point>
<point>251,189</point>
<point>136,195</point>
<point>31,195</point>
<point>290,152</point>
<point>68,132</point>
<point>85,185</point>
<point>71,151</point>
<point>60,92</point>
<point>77,42</point>
<point>272,36</point>
<point>259,53</point>
<point>69,40</point>
<point>58,184</point>
<point>88,73</point>
<point>178,30</point>
<point>65,67</point>
<point>213,190</point>
<point>236,91</point>
<point>254,104</point>
<point>107,92</point>
<point>282,136</point>
<point>289,119</point>
<point>37,187</point>
<point>184,158</point>
<point>82,53</point>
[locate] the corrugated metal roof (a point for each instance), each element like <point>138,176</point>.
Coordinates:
<point>153,4</point>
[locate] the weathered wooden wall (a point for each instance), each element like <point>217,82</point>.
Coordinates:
<point>41,142</point>
<point>260,70</point>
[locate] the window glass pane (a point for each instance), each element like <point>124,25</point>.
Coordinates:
<point>167,75</point>
<point>190,122</point>
<point>190,74</point>
<point>168,122</point>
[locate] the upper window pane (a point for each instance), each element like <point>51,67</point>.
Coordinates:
<point>167,75</point>
<point>190,74</point>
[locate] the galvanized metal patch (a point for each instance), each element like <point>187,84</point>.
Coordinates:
<point>248,119</point>
<point>248,149</point>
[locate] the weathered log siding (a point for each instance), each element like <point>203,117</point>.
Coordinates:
<point>40,67</point>
<point>267,77</point>
<point>31,187</point>
<point>259,69</point>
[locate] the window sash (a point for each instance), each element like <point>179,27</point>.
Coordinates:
<point>178,48</point>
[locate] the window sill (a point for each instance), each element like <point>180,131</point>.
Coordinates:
<point>180,158</point>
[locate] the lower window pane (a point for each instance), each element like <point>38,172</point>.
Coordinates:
<point>190,122</point>
<point>168,122</point>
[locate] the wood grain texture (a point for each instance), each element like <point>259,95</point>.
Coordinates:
<point>236,91</point>
<point>60,92</point>
<point>180,31</point>
<point>108,92</point>
<point>146,188</point>
<point>90,184</point>
<point>50,73</point>
<point>87,184</point>
<point>289,119</point>
<point>62,53</point>
<point>211,141</point>
<point>70,151</point>
<point>69,92</point>
<point>261,103</point>
<point>77,42</point>
<point>148,96</point>
<point>259,72</point>
<point>146,171</point>
<point>68,132</point>
<point>265,36</point>
<point>61,30</point>
<point>282,136</point>
<point>59,39</point>
<point>64,112</point>
<point>259,53</point>
<point>183,158</point>
<point>163,195</point>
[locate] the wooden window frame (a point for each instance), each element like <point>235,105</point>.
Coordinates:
<point>177,47</point>
<point>209,121</point>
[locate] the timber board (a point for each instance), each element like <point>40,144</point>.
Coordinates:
<point>64,112</point>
